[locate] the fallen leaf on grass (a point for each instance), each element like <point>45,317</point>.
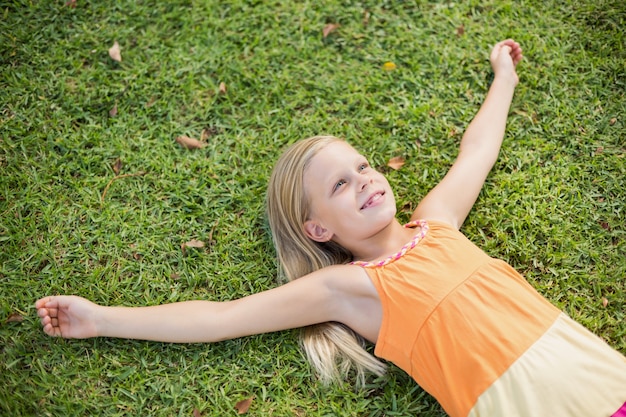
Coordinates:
<point>222,88</point>
<point>389,66</point>
<point>190,143</point>
<point>117,166</point>
<point>460,30</point>
<point>113,111</point>
<point>196,413</point>
<point>396,162</point>
<point>243,405</point>
<point>329,28</point>
<point>612,121</point>
<point>605,302</point>
<point>115,52</point>
<point>15,318</point>
<point>71,4</point>
<point>193,243</point>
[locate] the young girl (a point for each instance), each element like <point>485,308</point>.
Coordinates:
<point>468,328</point>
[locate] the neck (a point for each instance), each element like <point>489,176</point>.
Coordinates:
<point>382,244</point>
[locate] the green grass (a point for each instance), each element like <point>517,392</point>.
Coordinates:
<point>553,207</point>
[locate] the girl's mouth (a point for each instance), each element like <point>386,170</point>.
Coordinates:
<point>374,198</point>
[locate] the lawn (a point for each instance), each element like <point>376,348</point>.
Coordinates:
<point>97,197</point>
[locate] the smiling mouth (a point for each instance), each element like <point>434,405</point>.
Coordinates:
<point>372,200</point>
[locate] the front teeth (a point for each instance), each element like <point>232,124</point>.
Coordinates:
<point>371,200</point>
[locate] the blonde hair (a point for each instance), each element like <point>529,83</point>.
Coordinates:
<point>332,348</point>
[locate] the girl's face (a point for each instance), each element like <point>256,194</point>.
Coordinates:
<point>349,200</point>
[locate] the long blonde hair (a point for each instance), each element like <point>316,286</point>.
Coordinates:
<point>332,348</point>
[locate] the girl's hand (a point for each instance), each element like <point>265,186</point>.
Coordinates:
<point>68,316</point>
<point>452,199</point>
<point>504,58</point>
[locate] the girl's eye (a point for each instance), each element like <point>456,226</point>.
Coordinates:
<point>339,184</point>
<point>363,166</point>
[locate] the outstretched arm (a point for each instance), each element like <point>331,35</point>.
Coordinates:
<point>302,302</point>
<point>452,199</point>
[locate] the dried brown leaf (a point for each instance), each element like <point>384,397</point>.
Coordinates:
<point>605,302</point>
<point>15,318</point>
<point>196,413</point>
<point>194,243</point>
<point>71,4</point>
<point>396,162</point>
<point>243,405</point>
<point>113,111</point>
<point>117,166</point>
<point>222,88</point>
<point>190,143</point>
<point>329,28</point>
<point>115,52</point>
<point>460,31</point>
<point>612,121</point>
<point>205,134</point>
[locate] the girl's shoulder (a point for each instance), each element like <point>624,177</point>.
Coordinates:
<point>348,279</point>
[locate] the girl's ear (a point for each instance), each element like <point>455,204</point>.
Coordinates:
<point>317,232</point>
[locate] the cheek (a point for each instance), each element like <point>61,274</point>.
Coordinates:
<point>384,181</point>
<point>319,210</point>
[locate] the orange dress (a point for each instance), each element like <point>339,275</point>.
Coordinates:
<point>475,335</point>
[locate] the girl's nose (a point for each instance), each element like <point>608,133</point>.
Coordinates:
<point>364,182</point>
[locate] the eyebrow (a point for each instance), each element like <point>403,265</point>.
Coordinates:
<point>359,158</point>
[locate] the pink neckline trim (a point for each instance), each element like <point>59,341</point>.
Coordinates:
<point>410,245</point>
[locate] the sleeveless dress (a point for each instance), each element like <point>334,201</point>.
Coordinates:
<point>481,340</point>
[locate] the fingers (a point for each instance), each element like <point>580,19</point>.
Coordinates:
<point>47,302</point>
<point>50,327</point>
<point>513,49</point>
<point>48,306</point>
<point>517,55</point>
<point>47,310</point>
<point>42,302</point>
<point>44,311</point>
<point>507,47</point>
<point>51,330</point>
